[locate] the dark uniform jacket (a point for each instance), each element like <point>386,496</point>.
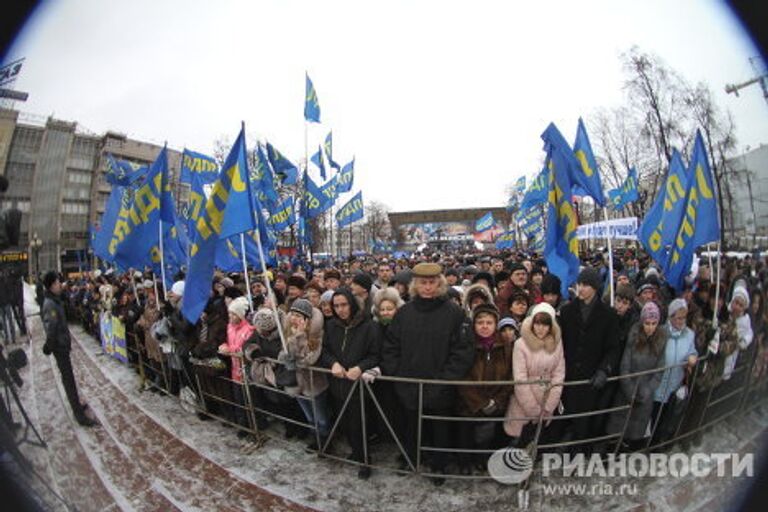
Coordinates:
<point>57,337</point>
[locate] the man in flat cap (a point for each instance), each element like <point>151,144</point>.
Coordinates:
<point>426,341</point>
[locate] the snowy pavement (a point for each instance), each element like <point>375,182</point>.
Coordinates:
<point>151,455</point>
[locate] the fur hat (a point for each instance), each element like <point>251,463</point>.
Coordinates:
<point>590,277</point>
<point>550,284</point>
<point>239,307</point>
<point>517,266</point>
<point>650,312</point>
<point>303,307</point>
<point>390,294</point>
<point>484,275</point>
<point>485,309</point>
<point>331,273</point>
<point>227,282</point>
<point>264,320</point>
<point>477,290</point>
<point>296,281</point>
<point>739,292</point>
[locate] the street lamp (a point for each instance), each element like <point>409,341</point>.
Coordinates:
<point>34,247</point>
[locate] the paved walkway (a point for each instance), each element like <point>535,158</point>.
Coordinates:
<point>151,455</point>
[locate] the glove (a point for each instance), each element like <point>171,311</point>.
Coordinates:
<point>47,349</point>
<point>598,379</point>
<point>714,343</point>
<point>370,375</point>
<point>490,408</point>
<point>287,360</point>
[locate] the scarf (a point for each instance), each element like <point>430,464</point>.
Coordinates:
<point>486,343</point>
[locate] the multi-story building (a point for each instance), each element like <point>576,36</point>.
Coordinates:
<point>57,179</point>
<point>748,216</point>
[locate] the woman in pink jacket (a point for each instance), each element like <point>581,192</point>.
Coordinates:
<point>537,355</point>
<point>238,333</point>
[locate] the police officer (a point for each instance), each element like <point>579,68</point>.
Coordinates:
<point>58,343</point>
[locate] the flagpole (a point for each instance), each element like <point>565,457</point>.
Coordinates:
<point>162,258</point>
<point>269,290</point>
<point>610,253</point>
<point>245,271</point>
<point>157,295</point>
<point>135,293</point>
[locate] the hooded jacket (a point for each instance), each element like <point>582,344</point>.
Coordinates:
<point>535,359</point>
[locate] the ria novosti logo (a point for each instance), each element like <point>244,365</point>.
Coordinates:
<point>510,465</point>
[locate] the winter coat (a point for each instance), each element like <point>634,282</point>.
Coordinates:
<point>310,383</point>
<point>237,336</point>
<point>426,341</point>
<point>535,359</point>
<point>589,346</point>
<point>216,322</point>
<point>634,361</point>
<point>260,347</point>
<point>150,316</point>
<point>680,345</point>
<point>744,335</point>
<point>57,337</point>
<point>354,344</point>
<point>492,365</point>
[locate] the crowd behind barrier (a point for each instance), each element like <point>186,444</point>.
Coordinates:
<point>429,366</point>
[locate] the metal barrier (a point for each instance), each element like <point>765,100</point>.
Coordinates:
<point>712,410</point>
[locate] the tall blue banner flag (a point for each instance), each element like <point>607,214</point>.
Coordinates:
<point>311,105</point>
<point>284,168</point>
<point>587,175</point>
<point>317,159</point>
<point>228,211</point>
<point>328,146</point>
<point>660,224</point>
<point>537,191</point>
<point>346,177</point>
<point>626,193</point>
<point>700,222</point>
<point>200,165</point>
<point>561,248</point>
<point>351,211</point>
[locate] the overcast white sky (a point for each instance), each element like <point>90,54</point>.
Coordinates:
<point>441,102</point>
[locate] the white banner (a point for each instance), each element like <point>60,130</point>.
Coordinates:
<point>617,229</point>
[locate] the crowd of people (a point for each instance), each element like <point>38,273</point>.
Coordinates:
<point>475,318</point>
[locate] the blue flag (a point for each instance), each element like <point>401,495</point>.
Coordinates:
<point>103,235</point>
<point>283,216</point>
<point>262,182</point>
<point>311,105</point>
<point>195,204</point>
<point>200,165</point>
<point>659,226</point>
<point>283,168</point>
<point>537,192</point>
<point>328,146</point>
<point>626,193</point>
<point>330,191</point>
<point>351,211</point>
<point>484,223</point>
<point>314,201</point>
<point>561,249</point>
<point>123,172</point>
<point>228,211</point>
<point>317,159</point>
<point>346,177</point>
<point>588,175</point>
<point>700,222</point>
<point>506,241</point>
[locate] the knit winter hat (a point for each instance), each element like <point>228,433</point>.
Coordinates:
<point>363,280</point>
<point>303,307</point>
<point>327,296</point>
<point>650,312</point>
<point>676,305</point>
<point>148,284</point>
<point>590,277</point>
<point>507,322</point>
<point>264,320</point>
<point>739,292</point>
<point>239,307</point>
<point>178,288</point>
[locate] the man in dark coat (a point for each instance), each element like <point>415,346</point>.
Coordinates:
<point>591,344</point>
<point>59,343</point>
<point>426,341</point>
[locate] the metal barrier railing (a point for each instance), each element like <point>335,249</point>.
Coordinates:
<point>711,412</point>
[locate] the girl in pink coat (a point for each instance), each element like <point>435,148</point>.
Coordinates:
<point>239,332</point>
<point>537,355</point>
